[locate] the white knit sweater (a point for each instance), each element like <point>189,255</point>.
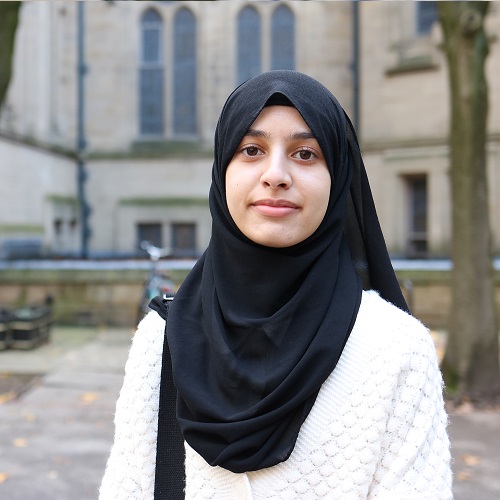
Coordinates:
<point>377,428</point>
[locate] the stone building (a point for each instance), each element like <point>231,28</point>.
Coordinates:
<point>157,75</point>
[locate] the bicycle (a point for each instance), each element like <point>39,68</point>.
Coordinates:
<point>157,282</point>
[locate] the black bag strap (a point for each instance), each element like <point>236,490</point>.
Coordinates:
<point>170,475</point>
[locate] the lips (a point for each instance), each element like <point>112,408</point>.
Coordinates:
<point>275,208</point>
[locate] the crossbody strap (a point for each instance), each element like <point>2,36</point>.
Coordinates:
<point>170,475</point>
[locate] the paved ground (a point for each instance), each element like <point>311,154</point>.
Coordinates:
<point>56,411</point>
<point>54,439</point>
<point>475,438</point>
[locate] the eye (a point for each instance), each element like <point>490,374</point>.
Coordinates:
<point>304,154</point>
<point>251,151</point>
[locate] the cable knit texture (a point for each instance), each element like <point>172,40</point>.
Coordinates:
<point>377,428</point>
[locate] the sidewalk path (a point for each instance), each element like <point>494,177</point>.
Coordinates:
<point>475,441</point>
<point>55,437</point>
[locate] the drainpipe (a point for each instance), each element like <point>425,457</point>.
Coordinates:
<point>355,66</point>
<point>83,205</point>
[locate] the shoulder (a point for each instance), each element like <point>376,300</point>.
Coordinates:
<point>147,344</point>
<point>388,321</point>
<point>150,329</point>
<point>385,345</point>
<point>152,323</point>
<point>376,309</point>
<point>392,335</point>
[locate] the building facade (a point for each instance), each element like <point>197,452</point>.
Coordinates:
<point>157,75</point>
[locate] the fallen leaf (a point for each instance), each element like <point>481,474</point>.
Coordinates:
<point>6,397</point>
<point>20,442</point>
<point>470,459</point>
<point>3,477</point>
<point>463,475</point>
<point>88,398</point>
<point>464,407</point>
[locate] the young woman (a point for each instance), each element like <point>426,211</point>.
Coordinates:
<point>298,371</point>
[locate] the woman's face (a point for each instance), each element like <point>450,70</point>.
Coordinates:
<point>278,183</point>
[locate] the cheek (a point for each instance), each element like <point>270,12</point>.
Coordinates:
<point>325,194</point>
<point>321,193</point>
<point>233,188</point>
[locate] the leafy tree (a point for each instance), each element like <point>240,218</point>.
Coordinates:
<point>8,24</point>
<point>470,366</point>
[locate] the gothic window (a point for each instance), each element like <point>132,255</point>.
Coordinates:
<point>426,16</point>
<point>151,75</point>
<point>184,73</point>
<point>249,44</point>
<point>283,38</point>
<point>417,244</point>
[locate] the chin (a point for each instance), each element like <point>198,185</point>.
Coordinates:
<point>273,242</point>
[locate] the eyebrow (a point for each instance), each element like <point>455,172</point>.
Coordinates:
<point>302,135</point>
<point>252,132</point>
<point>296,136</point>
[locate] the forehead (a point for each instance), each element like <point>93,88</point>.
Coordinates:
<point>279,119</point>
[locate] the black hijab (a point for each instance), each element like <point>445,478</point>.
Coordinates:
<point>254,331</point>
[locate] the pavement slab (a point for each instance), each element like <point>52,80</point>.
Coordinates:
<point>55,438</point>
<point>475,440</point>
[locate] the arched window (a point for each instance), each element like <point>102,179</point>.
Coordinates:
<point>426,16</point>
<point>184,111</point>
<point>249,44</point>
<point>283,38</point>
<point>151,75</point>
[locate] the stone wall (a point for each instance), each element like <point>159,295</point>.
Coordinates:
<point>82,297</point>
<point>111,297</point>
<point>37,189</point>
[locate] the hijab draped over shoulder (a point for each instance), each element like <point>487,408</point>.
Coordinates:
<point>254,331</point>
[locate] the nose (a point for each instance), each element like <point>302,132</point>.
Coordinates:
<point>276,173</point>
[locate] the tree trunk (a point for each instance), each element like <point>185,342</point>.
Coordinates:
<point>471,365</point>
<point>8,24</point>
